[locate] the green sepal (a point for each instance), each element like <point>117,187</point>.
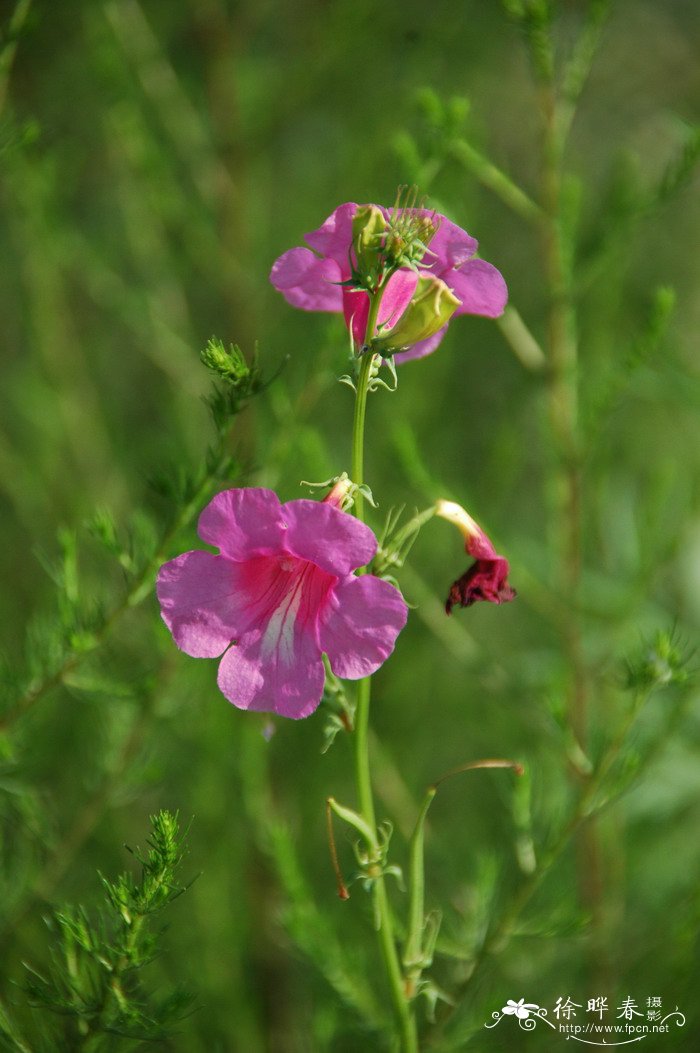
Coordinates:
<point>431,307</point>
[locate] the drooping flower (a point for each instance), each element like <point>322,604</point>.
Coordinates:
<point>487,578</point>
<point>279,594</point>
<point>414,242</point>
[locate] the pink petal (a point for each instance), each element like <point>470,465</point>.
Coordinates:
<point>480,546</point>
<point>334,238</point>
<point>356,312</point>
<point>395,299</point>
<point>199,603</point>
<point>276,670</point>
<point>480,287</point>
<point>397,296</point>
<point>243,523</point>
<point>487,580</point>
<point>450,247</point>
<point>333,540</point>
<point>308,282</point>
<point>359,626</point>
<point>422,348</point>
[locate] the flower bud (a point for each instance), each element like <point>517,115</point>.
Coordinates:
<point>410,230</point>
<point>431,307</point>
<point>228,364</point>
<point>341,493</point>
<point>368,231</point>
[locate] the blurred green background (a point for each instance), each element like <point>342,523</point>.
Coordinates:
<point>156,158</point>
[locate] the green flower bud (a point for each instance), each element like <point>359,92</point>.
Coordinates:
<point>228,364</point>
<point>368,232</point>
<point>431,307</point>
<point>410,230</point>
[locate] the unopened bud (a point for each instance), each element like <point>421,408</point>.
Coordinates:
<point>369,227</point>
<point>410,230</point>
<point>431,307</point>
<point>341,493</point>
<point>228,364</point>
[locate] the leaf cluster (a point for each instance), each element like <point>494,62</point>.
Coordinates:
<point>93,983</point>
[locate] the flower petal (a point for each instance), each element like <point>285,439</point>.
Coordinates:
<point>359,626</point>
<point>356,312</point>
<point>308,282</point>
<point>395,299</point>
<point>422,348</point>
<point>480,287</point>
<point>334,238</point>
<point>479,545</point>
<point>333,540</point>
<point>243,523</point>
<point>275,670</point>
<point>199,604</point>
<point>487,579</point>
<point>397,296</point>
<point>451,245</point>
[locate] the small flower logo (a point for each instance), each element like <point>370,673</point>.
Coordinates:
<point>521,1008</point>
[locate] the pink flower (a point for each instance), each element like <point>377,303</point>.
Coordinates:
<point>280,593</point>
<point>311,278</point>
<point>487,578</point>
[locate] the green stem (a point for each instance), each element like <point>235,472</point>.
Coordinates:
<point>363,779</point>
<point>358,429</point>
<point>584,812</point>
<point>402,1007</point>
<point>9,47</point>
<point>496,180</point>
<point>563,392</point>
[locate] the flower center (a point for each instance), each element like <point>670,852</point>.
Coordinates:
<point>410,230</point>
<point>296,593</point>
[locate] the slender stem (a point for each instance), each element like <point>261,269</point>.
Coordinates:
<point>563,391</point>
<point>585,812</point>
<point>563,408</point>
<point>495,179</point>
<point>363,779</point>
<point>9,47</point>
<point>358,430</point>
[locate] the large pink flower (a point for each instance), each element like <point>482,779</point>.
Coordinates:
<point>310,278</point>
<point>279,594</point>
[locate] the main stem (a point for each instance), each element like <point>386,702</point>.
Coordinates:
<point>563,405</point>
<point>402,1007</point>
<point>563,408</point>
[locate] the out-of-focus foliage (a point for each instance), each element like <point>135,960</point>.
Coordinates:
<point>155,159</point>
<point>93,987</point>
